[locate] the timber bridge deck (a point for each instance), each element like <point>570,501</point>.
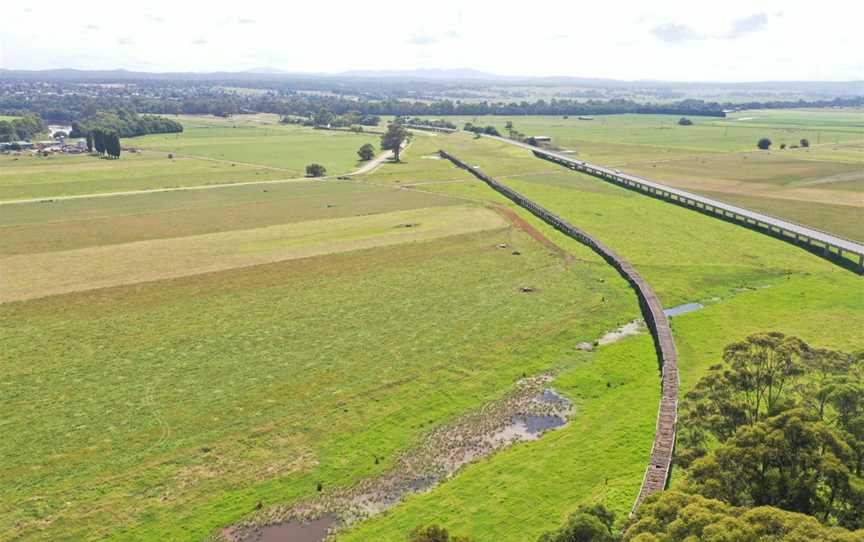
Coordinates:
<point>843,252</point>
<point>657,473</point>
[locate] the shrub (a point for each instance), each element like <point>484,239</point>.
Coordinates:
<point>315,170</point>
<point>588,524</point>
<point>366,152</point>
<point>434,533</point>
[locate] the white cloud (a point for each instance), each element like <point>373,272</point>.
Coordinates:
<point>676,33</point>
<point>628,39</point>
<point>748,25</point>
<point>422,39</point>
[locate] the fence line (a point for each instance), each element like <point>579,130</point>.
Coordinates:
<point>657,472</point>
<point>440,129</point>
<point>349,130</point>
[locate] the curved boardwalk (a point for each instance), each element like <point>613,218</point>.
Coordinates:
<point>657,472</point>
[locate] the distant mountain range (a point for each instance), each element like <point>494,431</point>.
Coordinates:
<point>433,73</point>
<point>435,76</point>
<point>266,70</point>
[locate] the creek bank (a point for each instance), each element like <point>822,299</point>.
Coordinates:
<point>525,414</point>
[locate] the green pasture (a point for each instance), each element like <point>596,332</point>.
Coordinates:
<point>775,168</point>
<point>27,177</point>
<point>662,133</point>
<point>849,120</point>
<point>841,152</point>
<point>290,148</point>
<point>827,195</point>
<point>167,410</point>
<point>210,150</point>
<point>844,220</point>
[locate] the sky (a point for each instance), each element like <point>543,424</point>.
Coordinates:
<point>672,40</point>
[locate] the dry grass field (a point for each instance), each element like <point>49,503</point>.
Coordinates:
<point>79,223</point>
<point>29,276</point>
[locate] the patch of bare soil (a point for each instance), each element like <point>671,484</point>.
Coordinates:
<point>629,329</point>
<point>525,414</point>
<point>536,234</point>
<point>293,531</point>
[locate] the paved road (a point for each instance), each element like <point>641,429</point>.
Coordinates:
<point>847,245</point>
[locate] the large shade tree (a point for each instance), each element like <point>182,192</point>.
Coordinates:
<point>393,139</point>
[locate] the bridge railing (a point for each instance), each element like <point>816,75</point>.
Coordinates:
<point>826,245</point>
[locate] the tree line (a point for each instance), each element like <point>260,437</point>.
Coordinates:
<point>770,447</point>
<point>488,130</point>
<point>23,128</point>
<point>104,142</point>
<point>73,106</point>
<point>324,117</point>
<point>125,124</point>
<point>764,143</point>
<point>432,123</point>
